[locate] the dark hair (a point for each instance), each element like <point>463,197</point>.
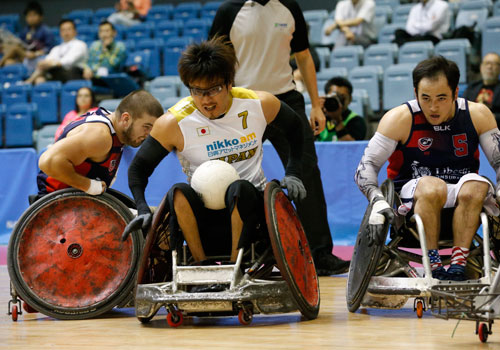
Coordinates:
<point>66,20</point>
<point>433,67</point>
<point>107,22</point>
<point>33,6</point>
<point>209,60</point>
<point>93,103</point>
<point>139,102</point>
<point>338,81</point>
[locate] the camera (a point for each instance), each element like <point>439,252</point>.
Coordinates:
<point>333,102</point>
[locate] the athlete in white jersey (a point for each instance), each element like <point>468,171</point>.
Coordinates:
<point>216,122</point>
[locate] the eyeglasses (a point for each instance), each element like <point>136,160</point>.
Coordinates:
<point>213,91</point>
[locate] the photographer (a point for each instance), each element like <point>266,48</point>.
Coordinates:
<point>342,124</point>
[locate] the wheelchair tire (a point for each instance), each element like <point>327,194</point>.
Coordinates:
<point>291,250</point>
<point>66,258</point>
<point>365,258</point>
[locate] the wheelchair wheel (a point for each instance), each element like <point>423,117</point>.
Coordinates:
<point>365,259</point>
<point>66,258</point>
<point>291,250</point>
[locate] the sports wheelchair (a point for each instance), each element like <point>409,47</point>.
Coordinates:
<point>66,258</point>
<point>251,285</point>
<point>380,276</point>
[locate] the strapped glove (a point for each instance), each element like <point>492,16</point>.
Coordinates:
<point>295,187</point>
<point>381,211</point>
<point>141,221</point>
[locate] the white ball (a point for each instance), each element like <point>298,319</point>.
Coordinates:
<point>211,180</point>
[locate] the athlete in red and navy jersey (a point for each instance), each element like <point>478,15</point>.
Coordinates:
<point>87,154</point>
<point>104,171</point>
<point>432,147</point>
<point>447,151</point>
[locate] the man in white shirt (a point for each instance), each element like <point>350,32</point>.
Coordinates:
<point>354,20</point>
<point>65,61</point>
<point>428,20</point>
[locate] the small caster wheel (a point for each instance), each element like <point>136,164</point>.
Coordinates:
<point>419,308</point>
<point>483,332</point>
<point>14,313</point>
<point>28,308</point>
<point>245,317</point>
<point>174,319</point>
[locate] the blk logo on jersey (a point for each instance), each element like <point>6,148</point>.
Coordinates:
<point>203,131</point>
<point>424,143</point>
<point>442,128</point>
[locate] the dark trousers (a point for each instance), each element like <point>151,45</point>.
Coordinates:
<point>401,36</point>
<point>312,210</point>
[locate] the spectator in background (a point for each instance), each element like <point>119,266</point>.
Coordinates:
<point>106,55</point>
<point>342,124</point>
<point>37,40</point>
<point>129,12</point>
<point>428,20</point>
<point>65,61</point>
<point>487,90</point>
<point>85,102</point>
<point>355,21</point>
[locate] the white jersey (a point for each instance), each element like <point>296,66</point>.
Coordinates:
<point>235,138</point>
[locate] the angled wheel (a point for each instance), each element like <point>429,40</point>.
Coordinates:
<point>291,250</point>
<point>365,258</point>
<point>175,319</point>
<point>419,308</point>
<point>14,313</point>
<point>483,332</point>
<point>245,317</point>
<point>66,258</point>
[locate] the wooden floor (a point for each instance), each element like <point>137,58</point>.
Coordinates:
<point>335,328</point>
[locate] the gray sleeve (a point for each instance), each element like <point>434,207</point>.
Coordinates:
<point>490,143</point>
<point>377,152</point>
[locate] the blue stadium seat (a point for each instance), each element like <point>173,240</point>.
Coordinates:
<point>209,9</point>
<point>164,86</point>
<point>346,56</point>
<point>360,103</point>
<point>324,56</point>
<point>416,51</point>
<point>392,3</point>
<point>368,78</point>
<point>172,53</point>
<point>87,32</point>
<point>80,16</point>
<point>383,15</point>
<point>197,28</point>
<point>153,46</point>
<point>19,125</point>
<point>386,33</point>
<point>457,50</point>
<point>381,55</point>
<point>397,85</point>
<point>139,61</point>
<point>401,12</point>
<point>160,13</point>
<point>186,10</point>
<point>471,16</point>
<point>2,117</point>
<point>121,84</point>
<point>110,104</point>
<point>139,31</point>
<point>331,72</point>
<point>496,9</point>
<point>68,95</point>
<point>315,19</point>
<point>183,90</point>
<point>16,93</point>
<point>10,22</point>
<point>168,29</point>
<point>169,102</point>
<point>45,137</point>
<point>129,44</point>
<point>476,4</point>
<point>46,96</point>
<point>102,14</point>
<point>491,35</point>
<point>13,73</point>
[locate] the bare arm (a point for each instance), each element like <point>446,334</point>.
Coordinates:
<point>306,66</point>
<point>89,141</point>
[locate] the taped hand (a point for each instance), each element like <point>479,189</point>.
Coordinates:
<point>381,211</point>
<point>141,221</point>
<point>295,187</point>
